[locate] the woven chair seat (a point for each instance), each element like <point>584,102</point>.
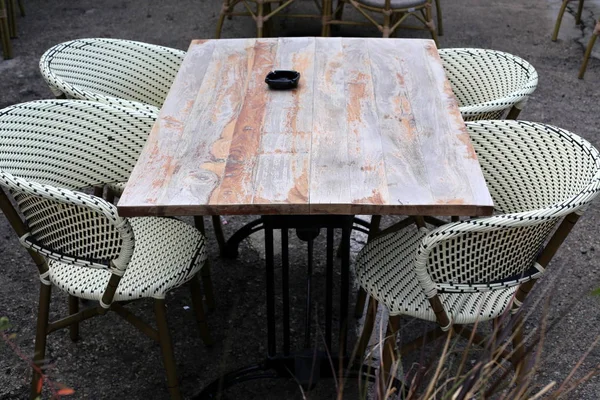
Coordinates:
<point>488,83</point>
<point>537,175</point>
<point>167,254</point>
<point>112,71</point>
<point>393,3</point>
<point>386,271</point>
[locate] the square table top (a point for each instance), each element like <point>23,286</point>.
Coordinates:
<point>373,128</point>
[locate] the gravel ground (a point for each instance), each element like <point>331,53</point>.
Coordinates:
<point>112,360</point>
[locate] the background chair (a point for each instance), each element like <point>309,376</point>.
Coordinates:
<point>115,71</point>
<point>393,13</point>
<point>49,152</point>
<point>540,177</point>
<point>261,14</point>
<point>488,84</point>
<point>590,45</point>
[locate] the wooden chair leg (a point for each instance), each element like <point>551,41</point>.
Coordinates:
<point>513,113</point>
<point>588,50</point>
<point>110,195</point>
<point>438,12</point>
<point>224,12</point>
<point>5,31</point>
<point>74,309</point>
<point>12,21</point>
<point>166,347</point>
<point>361,298</point>
<point>579,11</point>
<point>367,330</point>
<point>199,311</point>
<point>21,8</point>
<point>40,338</point>
<point>559,20</point>
<point>98,191</point>
<point>390,355</point>
<point>518,358</point>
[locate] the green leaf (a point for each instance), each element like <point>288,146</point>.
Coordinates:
<point>596,292</point>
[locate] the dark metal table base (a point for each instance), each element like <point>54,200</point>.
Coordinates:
<point>306,369</point>
<point>305,366</point>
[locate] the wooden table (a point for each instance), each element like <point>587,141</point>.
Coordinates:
<point>373,128</point>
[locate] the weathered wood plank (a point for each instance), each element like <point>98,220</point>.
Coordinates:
<point>283,166</point>
<point>405,172</point>
<point>330,174</point>
<point>237,187</point>
<point>154,167</point>
<point>437,124</point>
<point>368,185</point>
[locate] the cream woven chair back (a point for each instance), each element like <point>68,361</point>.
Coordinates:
<point>487,83</point>
<point>106,70</point>
<point>537,174</point>
<point>51,149</point>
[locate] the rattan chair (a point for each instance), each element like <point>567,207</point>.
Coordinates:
<point>261,13</point>
<point>112,71</point>
<point>394,14</point>
<point>115,71</point>
<point>541,178</point>
<point>49,152</point>
<point>488,84</point>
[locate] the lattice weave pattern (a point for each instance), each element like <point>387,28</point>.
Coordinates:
<point>488,83</point>
<point>49,150</point>
<point>112,71</point>
<point>537,174</point>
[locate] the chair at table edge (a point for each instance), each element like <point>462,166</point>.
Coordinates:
<point>595,33</point>
<point>568,210</point>
<point>512,100</point>
<point>63,255</point>
<point>165,61</point>
<point>422,12</point>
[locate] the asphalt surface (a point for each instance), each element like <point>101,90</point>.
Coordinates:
<point>113,360</point>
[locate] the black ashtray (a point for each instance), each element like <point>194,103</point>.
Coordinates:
<point>282,79</point>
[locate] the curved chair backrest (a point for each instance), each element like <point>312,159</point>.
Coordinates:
<point>488,83</point>
<point>112,71</point>
<point>537,174</point>
<point>51,149</point>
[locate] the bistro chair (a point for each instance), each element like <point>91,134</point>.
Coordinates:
<point>461,273</point>
<point>115,71</point>
<point>394,14</point>
<point>50,151</point>
<point>595,33</point>
<point>261,12</point>
<point>112,71</point>
<point>488,84</point>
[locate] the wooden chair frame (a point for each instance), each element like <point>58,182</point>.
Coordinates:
<point>5,30</point>
<point>590,45</point>
<point>393,18</point>
<point>518,357</point>
<point>261,15</point>
<point>160,335</point>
